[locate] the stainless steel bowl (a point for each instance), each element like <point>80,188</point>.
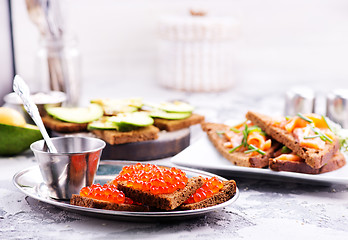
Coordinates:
<point>42,100</point>
<point>73,167</point>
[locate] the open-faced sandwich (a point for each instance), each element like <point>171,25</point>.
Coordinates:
<point>244,144</point>
<point>131,123</point>
<point>125,128</point>
<point>172,116</point>
<point>155,188</point>
<point>304,143</point>
<point>119,121</point>
<point>70,120</point>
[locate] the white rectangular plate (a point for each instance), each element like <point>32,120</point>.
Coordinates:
<point>202,154</point>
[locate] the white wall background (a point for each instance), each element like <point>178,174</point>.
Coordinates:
<point>283,42</point>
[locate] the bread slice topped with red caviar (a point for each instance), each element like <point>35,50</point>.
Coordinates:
<point>212,192</point>
<point>106,197</point>
<point>307,135</point>
<point>158,187</point>
<point>244,144</point>
<point>147,187</point>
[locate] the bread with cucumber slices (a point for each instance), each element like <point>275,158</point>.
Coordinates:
<point>215,132</point>
<point>63,127</point>
<point>173,116</point>
<point>68,119</point>
<point>125,128</point>
<point>138,135</point>
<point>177,124</point>
<point>315,158</point>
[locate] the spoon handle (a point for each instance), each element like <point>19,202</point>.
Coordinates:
<point>22,90</point>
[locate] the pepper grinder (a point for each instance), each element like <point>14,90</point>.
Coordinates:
<point>337,106</point>
<point>299,100</point>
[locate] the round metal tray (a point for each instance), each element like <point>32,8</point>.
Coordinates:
<point>30,182</point>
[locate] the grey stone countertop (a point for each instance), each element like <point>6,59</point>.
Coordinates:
<point>265,209</point>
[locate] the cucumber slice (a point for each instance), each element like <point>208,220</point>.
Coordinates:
<point>102,125</point>
<point>125,127</point>
<point>175,107</point>
<point>76,115</point>
<point>113,110</point>
<point>105,124</point>
<point>139,119</point>
<point>114,106</point>
<point>169,115</point>
<point>121,127</point>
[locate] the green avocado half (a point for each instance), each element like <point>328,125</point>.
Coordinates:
<point>14,140</point>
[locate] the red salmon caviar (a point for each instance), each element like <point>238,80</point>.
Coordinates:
<point>106,193</point>
<point>209,188</point>
<point>152,178</point>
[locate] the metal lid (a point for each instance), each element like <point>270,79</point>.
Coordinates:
<point>337,106</point>
<point>299,99</point>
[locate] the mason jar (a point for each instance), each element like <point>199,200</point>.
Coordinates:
<point>59,68</point>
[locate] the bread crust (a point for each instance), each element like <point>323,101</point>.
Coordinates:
<point>314,158</point>
<point>115,137</point>
<point>226,193</point>
<point>93,203</point>
<point>63,127</point>
<point>237,158</point>
<point>173,125</point>
<point>336,162</point>
<point>165,201</point>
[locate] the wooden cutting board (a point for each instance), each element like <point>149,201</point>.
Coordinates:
<point>168,144</point>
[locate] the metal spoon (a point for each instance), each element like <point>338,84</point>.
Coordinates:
<point>22,90</point>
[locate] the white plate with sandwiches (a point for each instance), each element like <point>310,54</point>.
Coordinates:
<point>30,182</point>
<point>203,155</point>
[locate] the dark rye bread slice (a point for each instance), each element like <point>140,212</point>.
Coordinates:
<point>237,158</point>
<point>313,157</point>
<point>63,127</point>
<point>93,203</point>
<point>165,201</point>
<point>336,162</point>
<point>225,194</point>
<point>173,125</point>
<point>115,137</point>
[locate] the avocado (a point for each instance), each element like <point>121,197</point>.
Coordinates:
<point>16,139</point>
<point>76,115</point>
<point>169,115</point>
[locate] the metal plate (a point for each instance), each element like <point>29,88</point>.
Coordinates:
<point>30,182</point>
<point>203,155</point>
